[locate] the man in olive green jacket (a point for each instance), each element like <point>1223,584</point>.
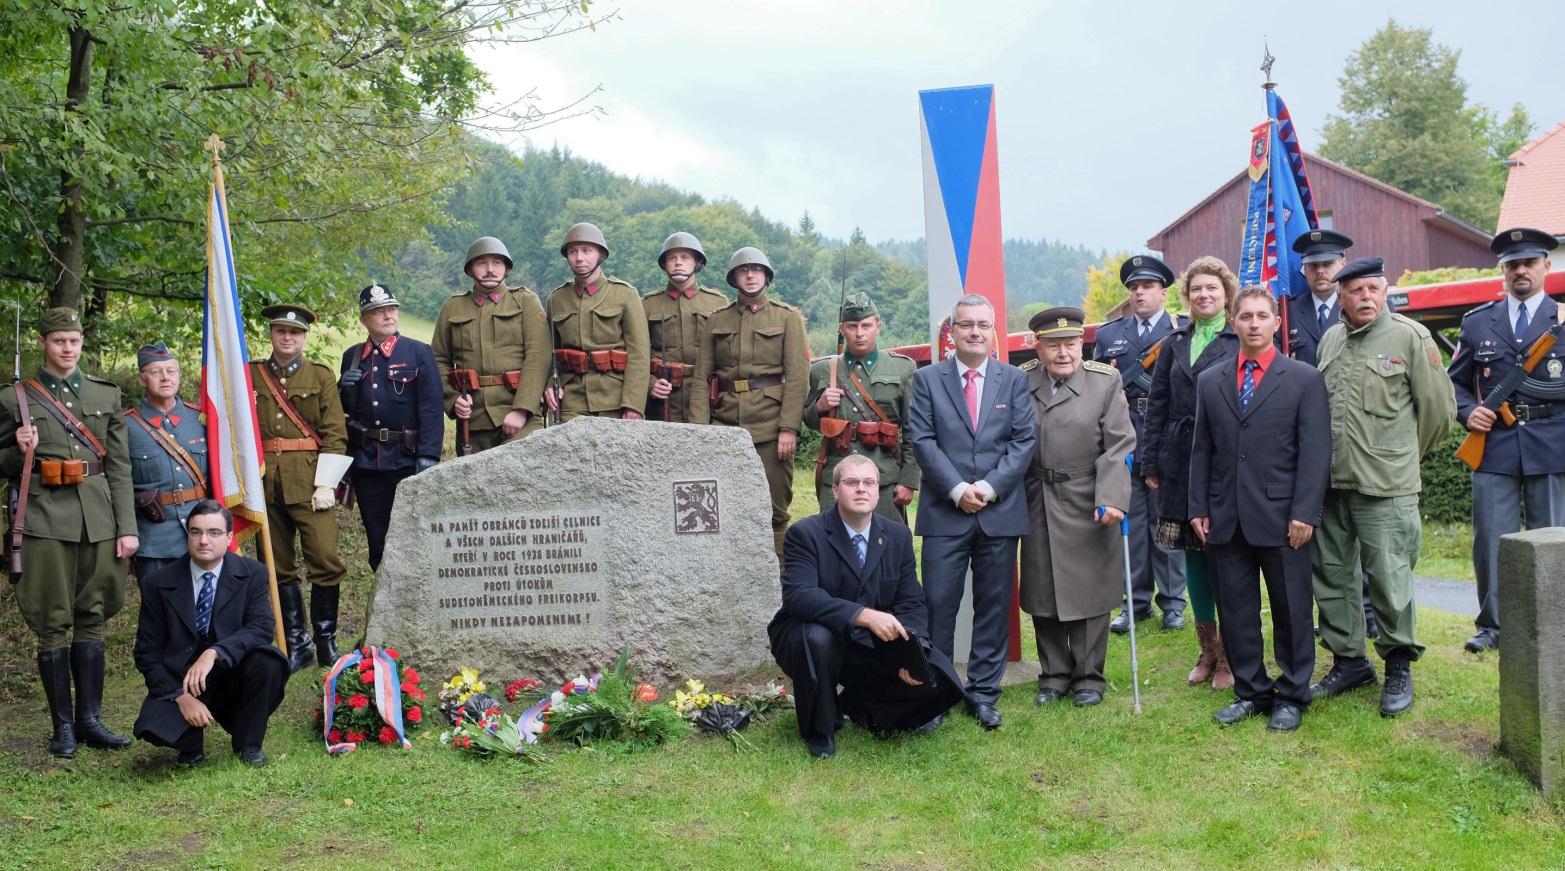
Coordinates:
<point>673,318</point>
<point>1390,403</point>
<point>600,335</point>
<point>496,338</point>
<point>755,362</point>
<point>79,525</point>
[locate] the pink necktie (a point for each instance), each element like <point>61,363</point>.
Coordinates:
<point>970,393</point>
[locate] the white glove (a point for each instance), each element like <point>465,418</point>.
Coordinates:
<point>324,499</point>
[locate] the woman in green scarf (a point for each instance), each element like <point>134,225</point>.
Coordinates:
<point>1208,288</point>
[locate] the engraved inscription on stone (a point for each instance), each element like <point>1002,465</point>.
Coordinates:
<point>695,507</point>
<point>505,571</point>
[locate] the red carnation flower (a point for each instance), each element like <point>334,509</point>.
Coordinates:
<point>334,736</point>
<point>336,700</point>
<point>358,701</point>
<point>570,687</point>
<point>355,736</point>
<point>388,735</point>
<point>415,694</point>
<point>414,715</point>
<point>410,675</point>
<point>392,652</point>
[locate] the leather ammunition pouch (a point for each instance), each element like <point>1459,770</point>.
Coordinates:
<point>836,434</point>
<point>571,360</point>
<point>609,360</point>
<point>66,473</point>
<point>463,380</point>
<point>874,434</point>
<point>675,371</point>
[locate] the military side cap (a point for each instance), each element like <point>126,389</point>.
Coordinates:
<point>1520,243</point>
<point>857,307</point>
<point>152,352</point>
<point>289,315</point>
<point>1145,267</point>
<point>59,319</point>
<point>375,296</point>
<point>1364,267</point>
<point>1060,322</point>
<point>1322,246</point>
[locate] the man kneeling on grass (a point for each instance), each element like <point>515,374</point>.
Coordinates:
<point>853,613</point>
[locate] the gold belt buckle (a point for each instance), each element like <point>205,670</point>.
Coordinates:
<point>384,435</point>
<point>742,385</point>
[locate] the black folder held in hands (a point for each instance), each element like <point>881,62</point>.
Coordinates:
<point>905,653</point>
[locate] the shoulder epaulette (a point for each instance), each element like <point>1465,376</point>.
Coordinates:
<point>1100,368</point>
<point>1476,309</point>
<point>100,380</point>
<point>1029,365</point>
<point>900,356</point>
<point>190,405</point>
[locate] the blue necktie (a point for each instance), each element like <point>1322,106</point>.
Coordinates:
<point>1247,386</point>
<point>860,547</point>
<point>204,603</point>
<point>1146,326</point>
<point>1321,317</point>
<point>1521,321</point>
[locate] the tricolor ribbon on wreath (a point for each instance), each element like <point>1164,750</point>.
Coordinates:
<point>388,696</point>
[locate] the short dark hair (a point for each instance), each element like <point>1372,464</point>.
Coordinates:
<point>1254,290</point>
<point>212,506</point>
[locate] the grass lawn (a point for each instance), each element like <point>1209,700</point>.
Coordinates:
<point>1447,551</point>
<point>1062,787</point>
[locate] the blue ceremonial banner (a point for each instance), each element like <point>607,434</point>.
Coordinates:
<point>1281,207</point>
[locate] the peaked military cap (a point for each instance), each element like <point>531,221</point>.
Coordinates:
<point>375,296</point>
<point>1520,243</point>
<point>1322,246</point>
<point>59,319</point>
<point>152,352</point>
<point>289,315</point>
<point>1145,267</point>
<point>1060,322</point>
<point>1364,267</point>
<point>857,307</point>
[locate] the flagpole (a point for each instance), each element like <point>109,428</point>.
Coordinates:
<point>1284,303</point>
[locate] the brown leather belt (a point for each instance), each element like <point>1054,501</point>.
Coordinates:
<point>509,380</point>
<point>180,497</point>
<point>93,468</point>
<point>280,446</point>
<point>745,385</point>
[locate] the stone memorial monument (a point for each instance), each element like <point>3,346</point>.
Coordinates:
<point>1532,655</point>
<point>545,557</point>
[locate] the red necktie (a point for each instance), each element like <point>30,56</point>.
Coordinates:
<point>970,393</point>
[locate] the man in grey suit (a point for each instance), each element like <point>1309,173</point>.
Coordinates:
<point>972,429</point>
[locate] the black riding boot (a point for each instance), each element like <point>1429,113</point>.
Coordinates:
<point>54,668</point>
<point>295,631</point>
<point>323,616</point>
<point>87,667</point>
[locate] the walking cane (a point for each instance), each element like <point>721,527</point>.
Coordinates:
<point>1124,537</point>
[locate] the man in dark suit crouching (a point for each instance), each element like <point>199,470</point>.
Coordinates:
<point>1258,475</point>
<point>850,595</point>
<point>204,645</point>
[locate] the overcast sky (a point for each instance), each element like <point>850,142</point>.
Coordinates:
<point>1113,117</point>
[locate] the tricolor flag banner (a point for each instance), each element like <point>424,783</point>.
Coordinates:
<point>961,206</point>
<point>1281,207</point>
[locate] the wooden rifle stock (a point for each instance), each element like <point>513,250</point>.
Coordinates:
<point>1149,359</point>
<point>1470,451</point>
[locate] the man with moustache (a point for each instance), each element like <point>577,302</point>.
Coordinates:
<point>1258,474</point>
<point>674,315</point>
<point>1390,403</point>
<point>168,460</point>
<point>755,363</point>
<point>1523,466</point>
<point>491,346</point>
<point>600,335</point>
<point>1124,343</point>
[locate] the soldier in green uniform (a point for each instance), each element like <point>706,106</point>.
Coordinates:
<point>600,335</point>
<point>1390,403</point>
<point>78,525</point>
<point>673,315</point>
<point>755,362</point>
<point>858,402</point>
<point>491,345</point>
<point>304,437</point>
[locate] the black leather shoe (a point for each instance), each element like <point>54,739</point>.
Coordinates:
<point>1121,624</point>
<point>932,725</point>
<point>252,757</point>
<point>1371,625</point>
<point>1397,695</point>
<point>1285,718</point>
<point>1173,619</point>
<point>192,759</point>
<point>1046,696</point>
<point>1236,712</point>
<point>1485,639</point>
<point>1346,674</point>
<point>822,748</point>
<point>1087,698</point>
<point>985,714</point>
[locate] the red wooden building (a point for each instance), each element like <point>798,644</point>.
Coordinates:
<point>1411,233</point>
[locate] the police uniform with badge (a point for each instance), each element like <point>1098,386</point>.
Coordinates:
<point>168,463</point>
<point>870,419</point>
<point>1523,467</point>
<point>601,348</point>
<point>391,390</point>
<point>1309,315</point>
<point>75,524</point>
<point>755,360</point>
<point>1124,343</point>
<point>304,440</point>
<point>492,346</point>
<point>674,316</point>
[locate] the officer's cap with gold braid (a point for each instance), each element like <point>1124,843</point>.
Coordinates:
<point>289,315</point>
<point>60,319</point>
<point>1060,322</point>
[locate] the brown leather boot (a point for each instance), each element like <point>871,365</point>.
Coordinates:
<point>1206,634</point>
<point>1222,675</point>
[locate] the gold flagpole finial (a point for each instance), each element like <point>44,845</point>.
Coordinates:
<point>216,146</point>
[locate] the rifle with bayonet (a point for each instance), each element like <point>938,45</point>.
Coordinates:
<point>18,496</point>
<point>1498,401</point>
<point>551,416</point>
<point>833,427</point>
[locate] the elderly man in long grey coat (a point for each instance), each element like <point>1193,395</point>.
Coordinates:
<point>1078,488</point>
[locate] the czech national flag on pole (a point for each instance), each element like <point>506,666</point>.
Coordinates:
<point>1281,207</point>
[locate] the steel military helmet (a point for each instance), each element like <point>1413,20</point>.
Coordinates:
<point>686,241</point>
<point>486,245</point>
<point>748,256</point>
<point>585,232</point>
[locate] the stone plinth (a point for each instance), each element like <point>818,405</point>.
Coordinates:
<point>1532,655</point>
